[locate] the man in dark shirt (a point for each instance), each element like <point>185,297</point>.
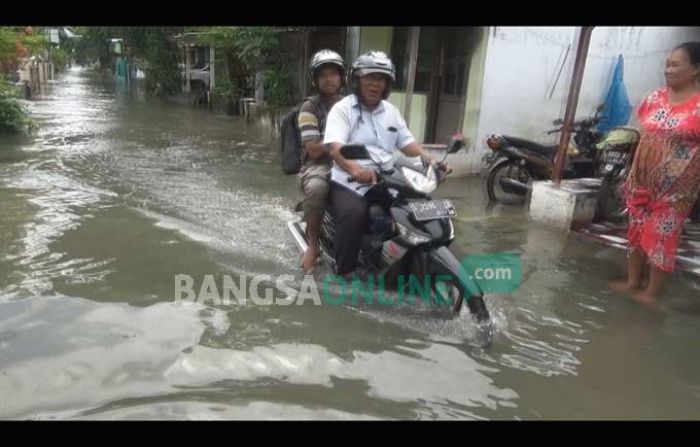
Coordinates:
<point>328,77</point>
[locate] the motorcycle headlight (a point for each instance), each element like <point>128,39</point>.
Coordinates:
<point>493,143</point>
<point>421,183</point>
<point>411,236</point>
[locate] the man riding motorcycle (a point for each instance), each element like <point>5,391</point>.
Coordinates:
<point>365,117</point>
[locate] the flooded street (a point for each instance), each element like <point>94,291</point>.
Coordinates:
<point>118,193</point>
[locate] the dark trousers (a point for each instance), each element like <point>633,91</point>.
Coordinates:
<point>349,212</point>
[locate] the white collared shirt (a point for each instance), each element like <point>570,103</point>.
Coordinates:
<point>382,130</point>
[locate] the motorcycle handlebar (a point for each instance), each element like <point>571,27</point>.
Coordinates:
<point>578,125</point>
<point>440,174</point>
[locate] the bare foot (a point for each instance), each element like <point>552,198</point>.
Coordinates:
<point>623,286</point>
<point>308,260</point>
<point>645,298</point>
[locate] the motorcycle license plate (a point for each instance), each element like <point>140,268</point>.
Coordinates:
<point>615,157</point>
<point>432,209</point>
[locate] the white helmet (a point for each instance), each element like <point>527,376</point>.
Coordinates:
<point>373,62</point>
<point>325,57</point>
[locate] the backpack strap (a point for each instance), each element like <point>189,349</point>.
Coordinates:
<point>315,102</point>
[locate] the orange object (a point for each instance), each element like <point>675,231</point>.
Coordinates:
<point>21,50</point>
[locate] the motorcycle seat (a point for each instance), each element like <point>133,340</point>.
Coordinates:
<point>547,151</point>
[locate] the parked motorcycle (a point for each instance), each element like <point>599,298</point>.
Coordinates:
<point>617,152</point>
<point>519,162</point>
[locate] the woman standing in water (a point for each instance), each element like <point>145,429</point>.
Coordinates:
<point>665,176</point>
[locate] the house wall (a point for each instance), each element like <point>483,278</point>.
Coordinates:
<point>419,106</point>
<point>375,38</point>
<point>520,93</point>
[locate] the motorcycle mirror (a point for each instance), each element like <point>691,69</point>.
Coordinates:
<point>354,152</point>
<point>456,143</point>
<point>558,122</point>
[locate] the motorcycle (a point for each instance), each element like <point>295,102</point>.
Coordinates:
<point>617,152</point>
<point>518,162</point>
<point>409,234</point>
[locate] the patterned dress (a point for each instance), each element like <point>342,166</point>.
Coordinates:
<point>665,176</point>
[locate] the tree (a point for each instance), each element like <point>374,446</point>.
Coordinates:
<point>15,43</point>
<point>13,117</point>
<point>260,49</point>
<point>148,44</point>
<point>95,46</point>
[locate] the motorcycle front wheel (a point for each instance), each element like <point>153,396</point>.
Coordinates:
<point>611,204</point>
<point>454,292</point>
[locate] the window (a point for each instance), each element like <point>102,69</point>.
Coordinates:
<point>400,57</point>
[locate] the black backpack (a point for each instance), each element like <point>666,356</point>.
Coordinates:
<point>290,140</point>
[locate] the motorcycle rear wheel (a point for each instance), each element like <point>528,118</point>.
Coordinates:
<point>510,170</point>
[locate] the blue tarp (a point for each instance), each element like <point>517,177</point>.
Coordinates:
<point>122,70</point>
<point>617,104</point>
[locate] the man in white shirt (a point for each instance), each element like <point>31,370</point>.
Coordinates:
<point>366,118</point>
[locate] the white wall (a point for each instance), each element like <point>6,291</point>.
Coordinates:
<point>522,64</point>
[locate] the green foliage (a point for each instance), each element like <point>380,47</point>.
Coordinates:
<point>259,48</point>
<point>150,44</point>
<point>278,84</point>
<point>94,46</point>
<point>162,72</point>
<point>224,87</point>
<point>8,44</point>
<point>16,42</point>
<point>34,43</point>
<point>60,56</point>
<point>13,117</point>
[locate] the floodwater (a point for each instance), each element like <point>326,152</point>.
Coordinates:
<point>117,193</point>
